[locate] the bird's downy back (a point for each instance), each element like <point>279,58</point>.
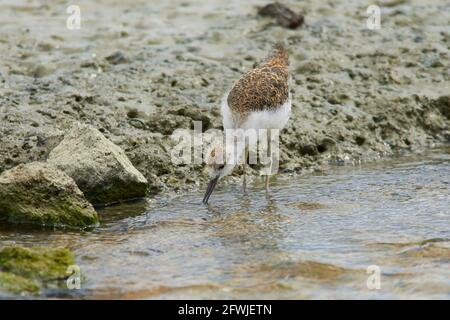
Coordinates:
<point>264,87</point>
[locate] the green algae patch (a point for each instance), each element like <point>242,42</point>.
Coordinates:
<point>39,193</point>
<point>308,205</point>
<point>31,269</point>
<point>12,283</point>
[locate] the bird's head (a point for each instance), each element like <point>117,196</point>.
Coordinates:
<point>217,167</point>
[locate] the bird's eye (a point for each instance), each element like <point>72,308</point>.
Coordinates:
<point>221,166</point>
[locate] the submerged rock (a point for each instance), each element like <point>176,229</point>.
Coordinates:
<point>309,270</point>
<point>39,193</point>
<point>284,16</point>
<point>28,270</point>
<point>100,168</point>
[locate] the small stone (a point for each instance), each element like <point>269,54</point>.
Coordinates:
<point>327,142</point>
<point>133,113</point>
<point>116,58</point>
<point>42,70</point>
<point>284,16</point>
<point>309,149</point>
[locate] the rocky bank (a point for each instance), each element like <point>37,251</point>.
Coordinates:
<point>358,94</point>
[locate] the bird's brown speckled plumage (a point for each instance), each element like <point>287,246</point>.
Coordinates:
<point>266,87</point>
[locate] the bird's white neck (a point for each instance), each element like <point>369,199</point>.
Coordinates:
<point>234,151</point>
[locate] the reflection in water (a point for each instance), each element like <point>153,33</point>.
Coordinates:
<point>313,237</point>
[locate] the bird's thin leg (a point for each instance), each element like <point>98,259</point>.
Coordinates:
<point>244,168</point>
<point>244,178</point>
<point>270,157</point>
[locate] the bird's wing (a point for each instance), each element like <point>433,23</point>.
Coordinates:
<point>260,89</point>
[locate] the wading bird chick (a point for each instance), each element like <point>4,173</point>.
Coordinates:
<point>260,99</point>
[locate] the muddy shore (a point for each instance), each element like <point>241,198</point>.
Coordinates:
<point>138,71</point>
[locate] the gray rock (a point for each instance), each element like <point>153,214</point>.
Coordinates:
<point>39,193</point>
<point>99,167</point>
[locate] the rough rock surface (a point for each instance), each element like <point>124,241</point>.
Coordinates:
<point>100,168</point>
<point>28,270</point>
<point>39,193</point>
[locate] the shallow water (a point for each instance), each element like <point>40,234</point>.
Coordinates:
<point>314,237</point>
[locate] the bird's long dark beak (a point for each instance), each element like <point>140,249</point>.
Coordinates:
<point>210,189</point>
